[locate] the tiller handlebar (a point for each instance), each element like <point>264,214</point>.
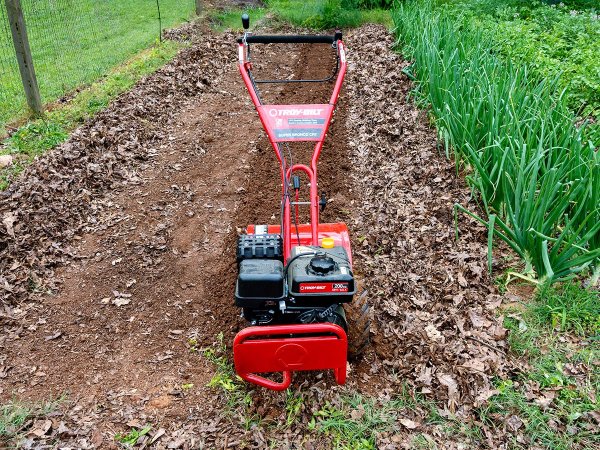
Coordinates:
<point>274,344</point>
<point>294,123</point>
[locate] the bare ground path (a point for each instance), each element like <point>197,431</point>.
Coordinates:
<point>133,223</point>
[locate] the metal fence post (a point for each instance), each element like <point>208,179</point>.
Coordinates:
<point>199,7</point>
<point>23,52</point>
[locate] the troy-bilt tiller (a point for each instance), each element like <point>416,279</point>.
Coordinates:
<point>293,278</point>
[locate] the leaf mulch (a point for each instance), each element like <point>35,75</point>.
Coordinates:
<point>433,300</point>
<point>117,261</point>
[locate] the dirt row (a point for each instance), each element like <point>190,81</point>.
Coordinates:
<point>132,224</point>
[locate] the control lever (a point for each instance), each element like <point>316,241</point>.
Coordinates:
<point>323,202</point>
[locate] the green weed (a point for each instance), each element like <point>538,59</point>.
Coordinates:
<point>225,374</point>
<point>12,416</point>
<point>15,415</point>
<point>293,406</point>
<point>553,396</point>
<point>193,344</point>
<point>522,337</point>
<point>423,442</point>
<point>564,307</point>
<point>228,383</point>
<point>560,425</point>
<point>35,137</point>
<point>131,438</point>
<point>355,421</point>
<point>569,307</point>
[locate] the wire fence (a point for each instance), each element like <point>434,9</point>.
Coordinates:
<point>74,42</point>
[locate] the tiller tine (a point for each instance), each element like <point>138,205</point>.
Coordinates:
<point>287,349</point>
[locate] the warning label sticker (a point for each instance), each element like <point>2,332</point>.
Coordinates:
<point>306,121</point>
<point>296,122</point>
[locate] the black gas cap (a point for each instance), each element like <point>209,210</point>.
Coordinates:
<point>321,264</point>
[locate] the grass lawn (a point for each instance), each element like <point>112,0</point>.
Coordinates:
<point>39,135</point>
<point>75,43</point>
<point>317,14</point>
<point>328,14</point>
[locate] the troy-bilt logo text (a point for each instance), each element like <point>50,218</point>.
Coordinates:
<point>313,288</point>
<point>296,112</point>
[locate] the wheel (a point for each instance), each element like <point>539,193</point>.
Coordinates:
<point>359,326</point>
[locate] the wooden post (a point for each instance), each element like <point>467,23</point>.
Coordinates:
<point>199,7</point>
<point>23,52</point>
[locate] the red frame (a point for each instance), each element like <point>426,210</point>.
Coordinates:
<point>296,347</point>
<point>311,172</point>
<point>305,351</point>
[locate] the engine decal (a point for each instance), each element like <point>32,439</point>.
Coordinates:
<point>316,288</point>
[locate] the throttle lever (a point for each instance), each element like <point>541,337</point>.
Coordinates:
<point>323,202</point>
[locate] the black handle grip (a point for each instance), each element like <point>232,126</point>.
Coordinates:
<point>292,39</point>
<point>245,21</point>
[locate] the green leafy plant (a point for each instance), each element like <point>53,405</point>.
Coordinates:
<point>228,382</point>
<point>131,438</point>
<point>16,416</point>
<point>529,166</point>
<point>556,41</point>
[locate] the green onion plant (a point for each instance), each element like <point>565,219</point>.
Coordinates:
<point>536,177</point>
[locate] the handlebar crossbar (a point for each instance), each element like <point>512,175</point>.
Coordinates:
<point>292,39</point>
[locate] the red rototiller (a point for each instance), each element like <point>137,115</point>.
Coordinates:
<point>293,278</point>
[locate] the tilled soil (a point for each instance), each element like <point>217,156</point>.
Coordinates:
<point>118,254</point>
